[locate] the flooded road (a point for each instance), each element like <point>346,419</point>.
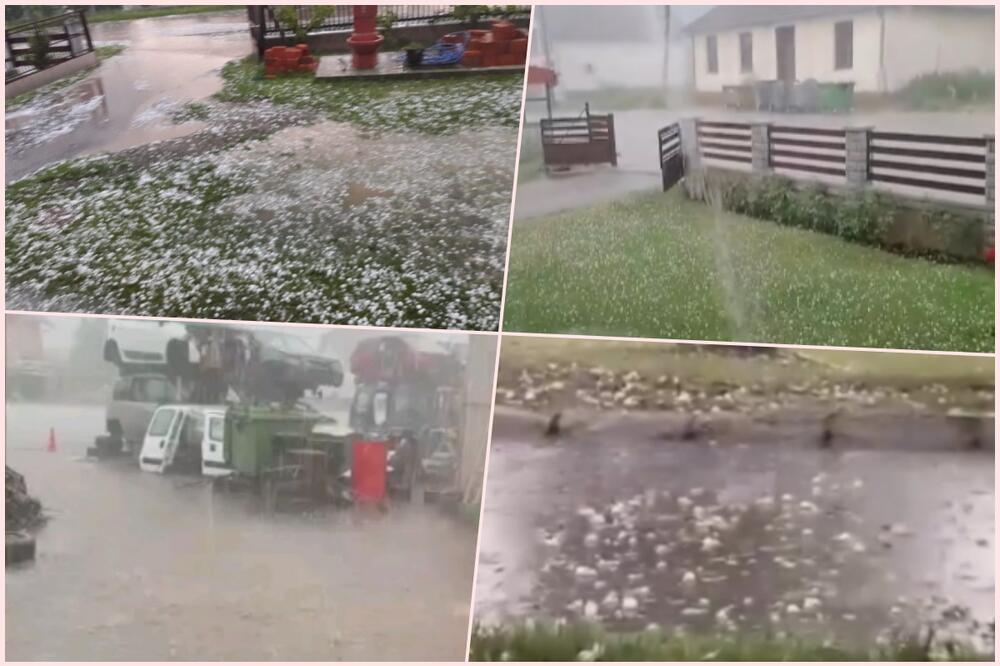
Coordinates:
<point>135,566</point>
<point>125,101</point>
<point>625,526</point>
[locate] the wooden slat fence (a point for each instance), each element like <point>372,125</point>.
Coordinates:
<point>929,162</point>
<point>724,141</point>
<point>808,149</point>
<point>588,139</point>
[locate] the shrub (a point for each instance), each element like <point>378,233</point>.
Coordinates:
<point>864,218</point>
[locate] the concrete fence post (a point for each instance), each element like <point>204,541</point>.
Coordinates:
<point>856,141</point>
<point>760,146</point>
<point>694,180</point>
<point>991,187</point>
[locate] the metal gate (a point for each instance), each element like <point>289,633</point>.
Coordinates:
<point>671,159</point>
<point>587,139</point>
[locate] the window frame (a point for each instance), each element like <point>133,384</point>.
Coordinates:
<point>746,65</point>
<point>712,54</point>
<point>843,55</point>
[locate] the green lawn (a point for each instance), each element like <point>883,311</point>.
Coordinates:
<point>660,265</point>
<point>585,643</point>
<point>435,106</point>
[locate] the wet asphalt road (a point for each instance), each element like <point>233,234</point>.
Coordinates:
<point>139,567</point>
<point>618,526</point>
<point>124,102</point>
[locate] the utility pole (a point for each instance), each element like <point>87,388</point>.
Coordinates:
<point>666,54</point>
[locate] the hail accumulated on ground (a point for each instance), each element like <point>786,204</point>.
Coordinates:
<point>779,563</point>
<point>327,223</point>
<point>603,388</point>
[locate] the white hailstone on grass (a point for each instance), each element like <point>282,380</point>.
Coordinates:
<point>585,572</point>
<point>792,609</point>
<point>630,604</point>
<point>689,578</point>
<point>661,565</point>
<point>810,603</point>
<point>593,653</point>
<point>710,545</point>
<point>748,601</point>
<point>591,540</point>
<point>661,549</point>
<point>590,609</point>
<point>610,599</point>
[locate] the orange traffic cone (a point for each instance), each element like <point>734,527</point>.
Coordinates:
<point>51,448</point>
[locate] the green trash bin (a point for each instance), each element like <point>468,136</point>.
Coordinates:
<point>836,97</point>
<point>253,433</point>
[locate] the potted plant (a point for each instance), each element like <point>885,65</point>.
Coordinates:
<point>414,54</point>
<point>384,23</point>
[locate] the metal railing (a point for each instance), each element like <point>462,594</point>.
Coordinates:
<point>36,45</point>
<point>264,23</point>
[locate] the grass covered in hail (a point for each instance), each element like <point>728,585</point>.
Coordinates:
<point>327,223</point>
<point>581,642</point>
<point>660,265</point>
<point>426,105</point>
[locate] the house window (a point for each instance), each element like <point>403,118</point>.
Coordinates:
<point>746,52</point>
<point>843,38</point>
<point>712,47</point>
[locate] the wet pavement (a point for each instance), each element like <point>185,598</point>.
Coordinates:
<point>125,101</point>
<point>139,567</point>
<point>623,522</point>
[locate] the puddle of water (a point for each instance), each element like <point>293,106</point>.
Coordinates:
<point>138,567</point>
<point>167,62</point>
<point>841,545</point>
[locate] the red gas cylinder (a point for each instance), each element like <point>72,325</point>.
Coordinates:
<point>368,465</point>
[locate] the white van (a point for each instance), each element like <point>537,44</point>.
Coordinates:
<point>186,437</point>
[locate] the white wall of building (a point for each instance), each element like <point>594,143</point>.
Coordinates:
<point>814,54</point>
<point>918,40</point>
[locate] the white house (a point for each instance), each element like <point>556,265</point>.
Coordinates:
<point>878,48</point>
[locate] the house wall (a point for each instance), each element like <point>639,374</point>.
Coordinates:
<point>814,54</point>
<point>918,40</point>
<point>921,40</point>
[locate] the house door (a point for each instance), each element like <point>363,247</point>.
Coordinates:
<point>784,39</point>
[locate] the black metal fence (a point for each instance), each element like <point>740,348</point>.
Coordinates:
<point>265,24</point>
<point>36,45</point>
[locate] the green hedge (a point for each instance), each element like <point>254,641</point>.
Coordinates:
<point>868,218</point>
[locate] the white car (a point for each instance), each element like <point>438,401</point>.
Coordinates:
<point>142,341</point>
<point>186,436</point>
